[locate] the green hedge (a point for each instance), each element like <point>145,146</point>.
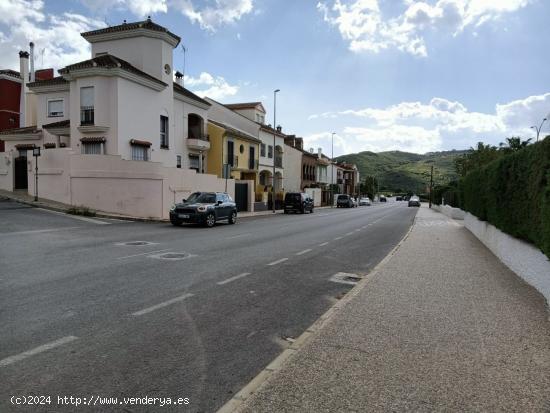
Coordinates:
<point>513,194</point>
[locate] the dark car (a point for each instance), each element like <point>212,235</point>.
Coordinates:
<point>205,208</point>
<point>414,201</point>
<point>399,198</point>
<point>383,198</point>
<point>345,201</point>
<point>298,202</point>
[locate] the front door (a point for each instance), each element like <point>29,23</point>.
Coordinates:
<point>20,172</point>
<point>241,196</point>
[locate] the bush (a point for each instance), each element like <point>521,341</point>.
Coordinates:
<point>84,211</point>
<point>513,194</point>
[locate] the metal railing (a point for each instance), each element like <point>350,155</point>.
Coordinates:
<point>232,161</point>
<point>86,115</point>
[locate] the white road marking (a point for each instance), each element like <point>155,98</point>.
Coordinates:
<point>239,235</point>
<point>323,244</point>
<point>162,305</point>
<point>337,238</point>
<point>278,261</point>
<point>358,229</point>
<point>143,253</point>
<point>81,218</point>
<point>36,231</point>
<point>236,277</point>
<point>322,215</point>
<point>45,347</point>
<point>304,251</point>
<point>349,233</point>
<point>345,278</point>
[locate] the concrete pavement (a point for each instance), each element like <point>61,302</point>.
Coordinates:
<point>441,325</point>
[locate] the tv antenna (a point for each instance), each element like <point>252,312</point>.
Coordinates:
<point>184,50</point>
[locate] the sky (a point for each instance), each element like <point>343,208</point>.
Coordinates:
<point>416,76</point>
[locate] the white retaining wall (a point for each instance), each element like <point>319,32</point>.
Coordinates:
<point>524,259</point>
<point>454,213</point>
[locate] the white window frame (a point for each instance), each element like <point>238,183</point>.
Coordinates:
<point>48,108</point>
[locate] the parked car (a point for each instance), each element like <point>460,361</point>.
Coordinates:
<point>345,201</point>
<point>399,198</point>
<point>205,208</point>
<point>414,201</point>
<point>364,201</point>
<point>355,203</point>
<point>383,198</point>
<point>298,202</point>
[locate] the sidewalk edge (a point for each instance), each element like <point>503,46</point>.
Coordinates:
<point>236,402</point>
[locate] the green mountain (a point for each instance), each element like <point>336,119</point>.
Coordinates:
<point>402,171</point>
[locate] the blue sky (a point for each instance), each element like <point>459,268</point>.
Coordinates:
<point>384,75</point>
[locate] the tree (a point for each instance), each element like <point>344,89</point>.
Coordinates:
<point>513,144</point>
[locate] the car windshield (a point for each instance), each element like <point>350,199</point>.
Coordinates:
<point>202,198</point>
<point>414,198</point>
<point>293,197</point>
<point>342,197</point>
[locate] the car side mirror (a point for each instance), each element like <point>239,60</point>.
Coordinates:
<point>219,202</point>
<point>184,200</point>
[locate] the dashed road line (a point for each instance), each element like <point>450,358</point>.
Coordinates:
<point>45,347</point>
<point>304,251</point>
<point>36,231</point>
<point>278,261</point>
<point>323,244</point>
<point>338,238</point>
<point>143,253</point>
<point>236,277</point>
<point>349,233</point>
<point>81,218</point>
<point>239,235</point>
<point>162,305</point>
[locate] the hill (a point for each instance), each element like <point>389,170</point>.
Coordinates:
<point>402,171</point>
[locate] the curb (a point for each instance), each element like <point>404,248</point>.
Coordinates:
<point>261,378</point>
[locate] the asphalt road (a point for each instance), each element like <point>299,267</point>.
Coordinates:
<point>84,315</point>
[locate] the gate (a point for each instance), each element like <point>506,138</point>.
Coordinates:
<point>241,196</point>
<point>20,171</point>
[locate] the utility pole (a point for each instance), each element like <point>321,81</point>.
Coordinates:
<point>539,128</point>
<point>431,184</point>
<point>273,153</point>
<point>332,173</point>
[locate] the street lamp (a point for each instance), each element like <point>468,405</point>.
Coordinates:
<point>273,153</point>
<point>539,128</point>
<point>36,154</point>
<point>332,172</point>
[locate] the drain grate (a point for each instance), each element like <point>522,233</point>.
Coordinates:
<point>345,278</point>
<point>136,243</point>
<point>172,256</point>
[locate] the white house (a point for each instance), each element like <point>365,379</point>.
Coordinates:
<point>122,102</point>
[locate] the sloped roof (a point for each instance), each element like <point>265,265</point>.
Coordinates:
<point>124,27</point>
<point>20,131</point>
<point>110,62</point>
<point>245,105</point>
<point>189,94</point>
<point>10,73</point>
<point>58,80</point>
<point>234,131</point>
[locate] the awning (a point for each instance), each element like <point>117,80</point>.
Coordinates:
<point>93,139</point>
<point>137,142</point>
<point>24,146</point>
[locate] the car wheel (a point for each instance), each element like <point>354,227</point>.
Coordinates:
<point>233,218</point>
<point>210,220</point>
<point>285,212</point>
<point>311,210</point>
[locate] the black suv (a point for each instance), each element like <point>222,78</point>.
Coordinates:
<point>344,201</point>
<point>298,202</point>
<point>204,208</point>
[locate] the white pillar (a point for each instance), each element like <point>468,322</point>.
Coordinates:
<point>24,73</point>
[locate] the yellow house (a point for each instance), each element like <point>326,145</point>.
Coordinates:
<point>238,149</point>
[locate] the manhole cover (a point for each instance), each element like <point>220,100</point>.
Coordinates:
<point>136,243</point>
<point>345,278</point>
<point>172,256</point>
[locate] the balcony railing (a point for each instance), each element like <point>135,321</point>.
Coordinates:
<point>253,164</point>
<point>86,115</point>
<point>279,161</point>
<point>232,161</point>
<point>200,137</point>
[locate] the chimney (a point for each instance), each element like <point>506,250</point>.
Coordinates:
<point>24,73</point>
<point>320,152</point>
<point>279,128</point>
<point>179,78</point>
<point>31,45</point>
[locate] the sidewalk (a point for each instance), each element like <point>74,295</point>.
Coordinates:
<point>25,198</point>
<point>441,325</point>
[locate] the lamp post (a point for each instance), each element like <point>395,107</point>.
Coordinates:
<point>332,172</point>
<point>539,128</point>
<point>273,153</point>
<point>36,154</point>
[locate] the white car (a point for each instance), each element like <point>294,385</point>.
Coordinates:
<point>364,201</point>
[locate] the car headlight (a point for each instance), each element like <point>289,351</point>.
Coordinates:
<point>202,208</point>
<point>173,208</point>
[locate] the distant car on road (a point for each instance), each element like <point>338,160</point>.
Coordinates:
<point>345,201</point>
<point>364,201</point>
<point>205,208</point>
<point>298,202</point>
<point>399,198</point>
<point>383,198</point>
<point>414,201</point>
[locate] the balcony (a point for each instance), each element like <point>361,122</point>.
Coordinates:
<point>278,161</point>
<point>200,143</point>
<point>233,161</point>
<point>86,115</point>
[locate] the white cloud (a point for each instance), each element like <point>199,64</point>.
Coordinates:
<point>215,87</point>
<point>362,24</point>
<point>218,13</point>
<point>440,124</point>
<point>58,36</point>
<point>141,8</point>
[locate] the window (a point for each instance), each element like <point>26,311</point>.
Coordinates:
<point>55,108</point>
<point>87,105</point>
<point>163,132</point>
<point>262,150</point>
<point>92,148</point>
<point>140,153</point>
<point>270,151</point>
<point>194,162</point>
<point>178,161</point>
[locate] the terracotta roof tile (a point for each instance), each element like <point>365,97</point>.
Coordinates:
<point>145,24</point>
<point>58,80</point>
<point>189,94</point>
<point>60,124</point>
<point>140,143</point>
<point>93,139</point>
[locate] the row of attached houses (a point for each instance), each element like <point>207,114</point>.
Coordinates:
<point>120,133</point>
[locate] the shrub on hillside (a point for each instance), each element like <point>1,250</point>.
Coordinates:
<point>513,194</point>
